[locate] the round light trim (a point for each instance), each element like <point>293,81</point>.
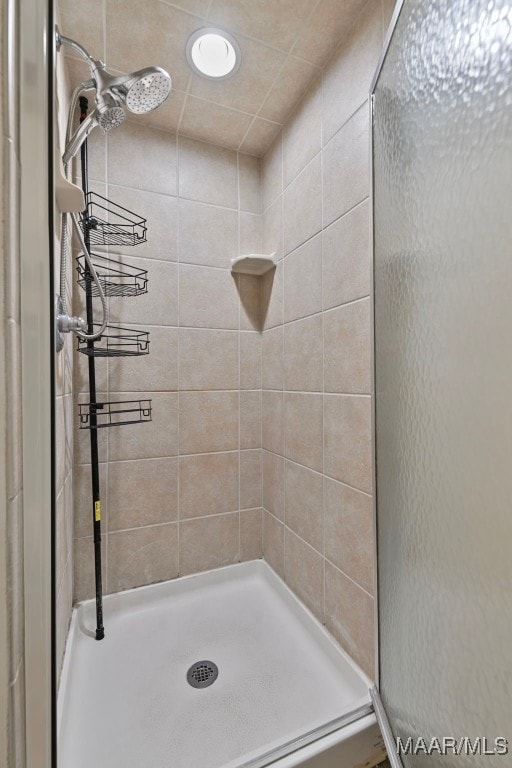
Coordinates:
<point>213,54</point>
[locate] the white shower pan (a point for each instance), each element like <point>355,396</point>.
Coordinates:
<point>285,694</point>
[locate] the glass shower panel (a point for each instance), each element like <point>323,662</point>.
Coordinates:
<point>442,164</point>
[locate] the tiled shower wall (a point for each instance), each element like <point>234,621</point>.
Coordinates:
<point>182,493</point>
<point>317,465</point>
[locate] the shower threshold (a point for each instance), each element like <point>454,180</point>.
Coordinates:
<point>283,691</point>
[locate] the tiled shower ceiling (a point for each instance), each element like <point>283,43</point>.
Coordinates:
<point>284,44</point>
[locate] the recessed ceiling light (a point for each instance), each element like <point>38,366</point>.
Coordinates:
<point>213,53</point>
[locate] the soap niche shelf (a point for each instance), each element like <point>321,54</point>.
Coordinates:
<point>253,264</point>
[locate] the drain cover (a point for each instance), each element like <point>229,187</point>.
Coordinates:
<point>202,674</point>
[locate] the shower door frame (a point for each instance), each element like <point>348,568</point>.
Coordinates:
<point>389,34</point>
<point>32,82</point>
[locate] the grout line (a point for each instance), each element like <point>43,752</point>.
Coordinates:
<point>317,472</point>
<point>310,546</point>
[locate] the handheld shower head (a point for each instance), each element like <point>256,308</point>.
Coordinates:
<point>110,118</point>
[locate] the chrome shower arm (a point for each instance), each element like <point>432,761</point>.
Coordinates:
<point>62,40</point>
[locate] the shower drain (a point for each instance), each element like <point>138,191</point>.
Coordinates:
<point>202,674</point>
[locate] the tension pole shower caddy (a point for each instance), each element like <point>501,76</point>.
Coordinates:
<point>107,225</point>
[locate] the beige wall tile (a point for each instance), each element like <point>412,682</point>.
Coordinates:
<point>208,484</point>
<point>346,258</point>
<point>208,421</point>
<point>346,170</point>
<point>349,532</point>
<point>304,573</point>
<point>209,542</point>
<point>167,116</point>
<point>273,422</point>
<point>249,183</point>
<point>332,20</point>
<point>142,492</point>
<point>250,420</point>
<point>159,306</point>
<point>208,235</point>
<point>142,158</point>
<point>303,206</point>
<point>155,439</point>
<point>82,499</point>
<point>208,359</point>
<point>84,23</point>
<point>272,358</point>
<point>303,425</point>
<point>149,39</point>
<point>291,83</point>
<point>251,534</point>
<point>207,173</point>
<point>250,360</point>
<point>303,504</point>
<point>246,91</point>
<point>83,568</point>
<point>161,214</point>
<point>157,370</point>
<point>273,543</point>
<point>272,229</point>
<point>230,124</point>
<point>272,172</point>
<point>250,233</point>
<point>81,371</point>
<point>303,280</point>
<point>349,617</point>
<point>142,556</point>
<point>278,26</point>
<point>273,484</point>
<point>347,358</point>
<point>303,355</point>
<point>302,135</point>
<point>351,69</point>
<point>347,439</point>
<point>259,137</point>
<point>272,297</point>
<point>249,293</point>
<point>250,479</point>
<point>208,298</point>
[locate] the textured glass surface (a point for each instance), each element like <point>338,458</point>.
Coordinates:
<point>443,316</point>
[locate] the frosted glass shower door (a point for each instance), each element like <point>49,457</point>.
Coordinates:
<point>442,172</point>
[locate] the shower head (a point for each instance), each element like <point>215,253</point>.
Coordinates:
<point>141,91</point>
<point>110,118</point>
<point>145,90</point>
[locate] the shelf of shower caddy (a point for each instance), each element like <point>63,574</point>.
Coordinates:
<point>108,223</point>
<point>114,414</point>
<point>116,278</point>
<point>116,341</point>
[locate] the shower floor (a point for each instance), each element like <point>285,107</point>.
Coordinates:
<point>125,702</point>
